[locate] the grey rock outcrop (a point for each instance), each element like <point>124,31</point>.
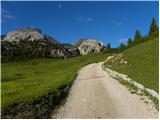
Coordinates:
<point>87,46</point>
<point>29,34</point>
<point>65,50</point>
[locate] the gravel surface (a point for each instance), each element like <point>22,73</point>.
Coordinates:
<point>95,94</point>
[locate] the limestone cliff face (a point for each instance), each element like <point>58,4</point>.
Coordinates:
<point>87,46</point>
<point>29,34</point>
<point>25,33</point>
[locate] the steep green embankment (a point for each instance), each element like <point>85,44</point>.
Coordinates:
<point>31,86</point>
<point>142,64</point>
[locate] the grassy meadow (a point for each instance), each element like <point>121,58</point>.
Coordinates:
<point>142,64</point>
<point>28,80</point>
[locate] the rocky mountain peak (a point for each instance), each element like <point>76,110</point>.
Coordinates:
<point>29,34</point>
<point>88,45</point>
<point>29,29</point>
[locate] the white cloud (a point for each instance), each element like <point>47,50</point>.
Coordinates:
<point>118,23</point>
<point>90,19</point>
<point>123,40</point>
<point>6,15</point>
<point>83,19</point>
<point>59,6</point>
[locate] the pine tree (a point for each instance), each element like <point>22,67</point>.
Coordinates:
<point>108,46</point>
<point>138,37</point>
<point>130,42</point>
<point>122,47</point>
<point>153,27</point>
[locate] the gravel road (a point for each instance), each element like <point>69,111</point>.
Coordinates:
<point>95,94</point>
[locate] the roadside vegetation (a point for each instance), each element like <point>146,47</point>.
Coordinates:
<point>141,64</point>
<point>134,90</point>
<point>27,81</point>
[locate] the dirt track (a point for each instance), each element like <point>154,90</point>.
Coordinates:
<point>95,94</point>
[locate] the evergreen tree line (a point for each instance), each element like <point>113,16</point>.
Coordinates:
<point>138,38</point>
<point>25,50</point>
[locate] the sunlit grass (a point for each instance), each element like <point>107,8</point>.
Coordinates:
<point>142,64</point>
<point>25,81</point>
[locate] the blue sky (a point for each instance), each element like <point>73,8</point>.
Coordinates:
<point>112,22</point>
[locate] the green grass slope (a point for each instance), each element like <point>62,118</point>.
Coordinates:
<point>142,64</point>
<point>29,80</point>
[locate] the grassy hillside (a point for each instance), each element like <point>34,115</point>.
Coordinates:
<point>142,64</point>
<point>29,80</point>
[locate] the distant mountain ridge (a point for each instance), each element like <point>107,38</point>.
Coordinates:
<point>28,42</point>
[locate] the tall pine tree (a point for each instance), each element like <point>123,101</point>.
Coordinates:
<point>130,42</point>
<point>121,47</point>
<point>137,37</point>
<point>108,46</point>
<point>153,27</point>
